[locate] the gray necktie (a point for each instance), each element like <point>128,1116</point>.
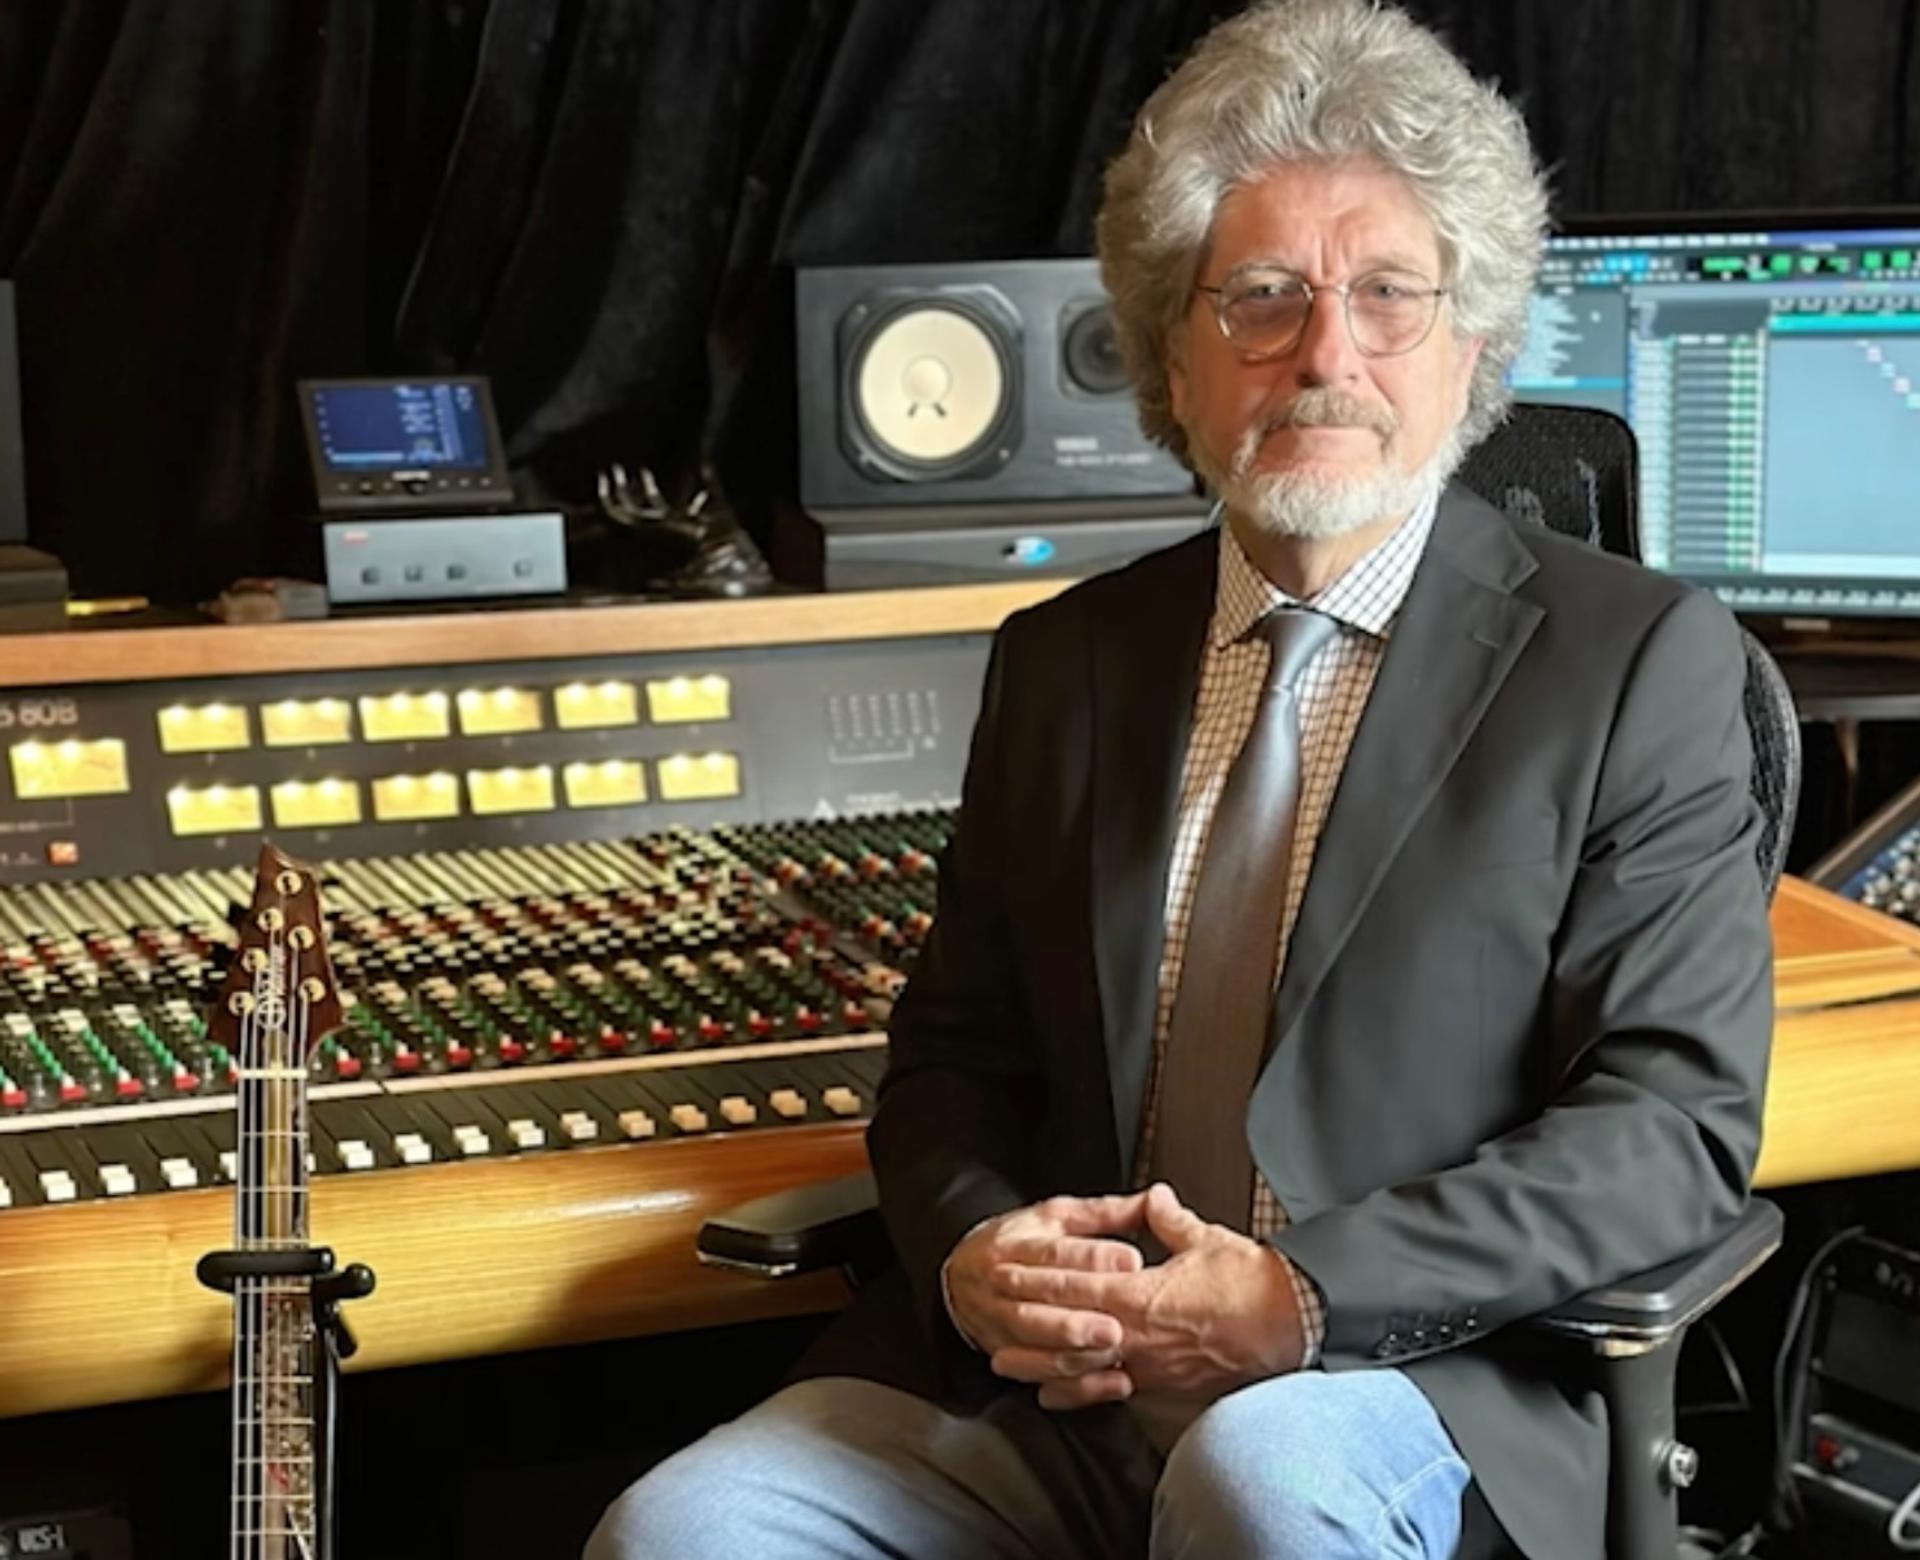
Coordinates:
<point>1218,1030</point>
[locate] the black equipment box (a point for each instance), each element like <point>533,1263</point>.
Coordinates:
<point>1857,1425</point>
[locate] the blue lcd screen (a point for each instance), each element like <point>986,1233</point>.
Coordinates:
<point>389,427</point>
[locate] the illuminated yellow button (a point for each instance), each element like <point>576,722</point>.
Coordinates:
<point>404,717</point>
<point>205,728</point>
<point>690,698</point>
<point>214,809</point>
<point>306,722</point>
<point>69,768</point>
<point>315,804</point>
<point>511,790</point>
<point>613,782</point>
<point>404,798</point>
<point>499,712</point>
<point>687,777</point>
<point>579,706</point>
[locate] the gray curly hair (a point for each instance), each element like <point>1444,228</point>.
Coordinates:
<point>1304,81</point>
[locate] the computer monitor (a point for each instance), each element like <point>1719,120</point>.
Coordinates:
<point>1770,369</point>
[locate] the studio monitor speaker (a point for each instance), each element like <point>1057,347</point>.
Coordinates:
<point>1000,384</point>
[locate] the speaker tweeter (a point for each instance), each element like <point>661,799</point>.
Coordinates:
<point>1090,360</point>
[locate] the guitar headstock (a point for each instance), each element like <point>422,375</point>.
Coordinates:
<point>280,977</point>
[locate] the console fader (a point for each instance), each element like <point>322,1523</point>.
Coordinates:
<point>503,1001</point>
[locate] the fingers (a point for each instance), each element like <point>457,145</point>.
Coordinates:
<point>996,1322</point>
<point>1177,1225</point>
<point>1118,1214</point>
<point>1059,1327</point>
<point>1098,1386</point>
<point>1048,1365</point>
<point>1059,1286</point>
<point>1088,1255</point>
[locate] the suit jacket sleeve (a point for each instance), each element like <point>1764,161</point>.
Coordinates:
<point>949,1138</point>
<point>1661,995</point>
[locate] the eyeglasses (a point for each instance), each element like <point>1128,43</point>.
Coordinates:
<point>1263,310</point>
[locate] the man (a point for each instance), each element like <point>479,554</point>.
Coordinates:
<point>1352,942</point>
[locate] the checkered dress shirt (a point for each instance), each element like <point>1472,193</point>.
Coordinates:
<point>1332,692</point>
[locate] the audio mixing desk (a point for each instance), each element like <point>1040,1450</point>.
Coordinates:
<point>620,896</point>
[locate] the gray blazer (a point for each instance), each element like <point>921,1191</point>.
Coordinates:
<point>1520,1041</point>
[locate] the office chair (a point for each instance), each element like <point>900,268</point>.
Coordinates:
<point>1576,470</point>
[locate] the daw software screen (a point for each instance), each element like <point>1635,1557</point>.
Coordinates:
<point>1772,377</point>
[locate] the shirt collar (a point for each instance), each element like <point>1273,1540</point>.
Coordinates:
<point>1367,597</point>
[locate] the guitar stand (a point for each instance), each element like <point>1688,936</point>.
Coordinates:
<point>328,1290</point>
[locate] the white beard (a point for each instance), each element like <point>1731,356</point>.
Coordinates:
<point>1311,505</point>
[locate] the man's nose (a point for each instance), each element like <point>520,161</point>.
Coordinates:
<point>1325,354</point>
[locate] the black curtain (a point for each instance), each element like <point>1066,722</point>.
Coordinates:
<point>598,203</point>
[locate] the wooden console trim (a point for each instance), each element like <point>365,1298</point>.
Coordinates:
<point>110,655</point>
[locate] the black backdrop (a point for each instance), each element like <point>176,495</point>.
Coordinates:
<point>598,203</point>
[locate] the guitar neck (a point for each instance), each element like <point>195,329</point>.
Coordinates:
<point>275,999</point>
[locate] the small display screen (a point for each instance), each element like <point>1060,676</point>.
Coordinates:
<point>430,425</point>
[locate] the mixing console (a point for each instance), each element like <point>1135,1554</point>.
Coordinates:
<point>620,898</point>
<point>590,992</point>
<point>1878,864</point>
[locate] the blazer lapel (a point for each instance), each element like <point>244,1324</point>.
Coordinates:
<point>1146,666</point>
<point>1456,638</point>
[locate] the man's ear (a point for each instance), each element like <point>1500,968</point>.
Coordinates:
<point>1177,382</point>
<point>1464,364</point>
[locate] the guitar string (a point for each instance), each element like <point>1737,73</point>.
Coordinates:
<point>263,1313</point>
<point>244,1461</point>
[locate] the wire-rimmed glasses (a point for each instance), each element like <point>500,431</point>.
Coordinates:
<point>1263,310</point>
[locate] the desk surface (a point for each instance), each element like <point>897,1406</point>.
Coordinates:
<point>1844,1095</point>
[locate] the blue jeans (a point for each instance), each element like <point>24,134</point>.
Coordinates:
<point>1305,1467</point>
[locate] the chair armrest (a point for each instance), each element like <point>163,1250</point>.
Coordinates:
<point>1651,1307</point>
<point>825,1224</point>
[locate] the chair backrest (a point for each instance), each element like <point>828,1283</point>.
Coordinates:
<point>1577,471</point>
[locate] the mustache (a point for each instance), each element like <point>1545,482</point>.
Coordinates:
<point>1324,407</point>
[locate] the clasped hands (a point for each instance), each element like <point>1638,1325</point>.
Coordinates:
<point>1057,1295</point>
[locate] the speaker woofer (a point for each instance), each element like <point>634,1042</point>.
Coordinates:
<point>931,379</point>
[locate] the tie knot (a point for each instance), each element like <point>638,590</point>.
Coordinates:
<point>1296,635</point>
